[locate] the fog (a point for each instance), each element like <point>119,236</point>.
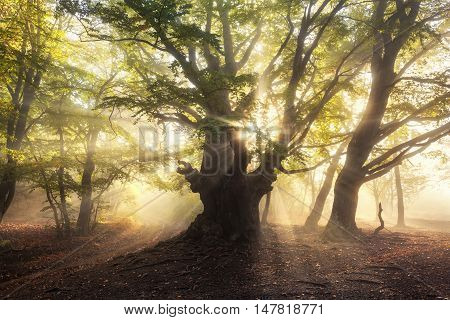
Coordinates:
<point>170,212</point>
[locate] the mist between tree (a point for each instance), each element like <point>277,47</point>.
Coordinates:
<point>291,202</point>
<point>224,121</point>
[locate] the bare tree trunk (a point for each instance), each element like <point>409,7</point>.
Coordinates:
<point>342,222</point>
<point>391,195</point>
<point>54,210</point>
<point>7,187</point>
<point>15,131</point>
<point>61,186</point>
<point>381,227</point>
<point>265,213</point>
<point>84,217</point>
<point>49,195</point>
<point>311,176</point>
<point>316,213</point>
<point>400,204</point>
<point>8,179</point>
<point>304,198</point>
<point>377,201</point>
<point>376,196</point>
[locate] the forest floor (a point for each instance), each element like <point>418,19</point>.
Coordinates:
<point>286,264</point>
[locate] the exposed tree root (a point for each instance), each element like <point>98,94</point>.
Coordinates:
<point>385,267</point>
<point>337,233</point>
<point>367,281</point>
<point>322,285</point>
<point>274,268</point>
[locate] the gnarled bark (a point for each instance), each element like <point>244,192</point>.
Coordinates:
<point>229,194</point>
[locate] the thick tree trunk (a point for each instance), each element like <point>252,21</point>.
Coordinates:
<point>265,213</point>
<point>230,195</point>
<point>384,54</point>
<point>316,213</point>
<point>84,217</point>
<point>7,187</point>
<point>15,132</point>
<point>342,222</point>
<point>400,204</point>
<point>7,192</point>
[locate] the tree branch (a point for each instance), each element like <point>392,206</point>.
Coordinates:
<point>241,63</point>
<point>389,128</point>
<point>432,44</point>
<point>212,61</point>
<point>282,169</point>
<point>422,141</point>
<point>230,63</point>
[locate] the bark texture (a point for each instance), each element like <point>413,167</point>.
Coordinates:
<point>15,132</point>
<point>316,213</point>
<point>230,195</point>
<point>7,186</point>
<point>62,187</point>
<point>342,222</point>
<point>84,216</point>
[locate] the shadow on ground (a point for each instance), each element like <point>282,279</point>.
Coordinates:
<point>286,264</point>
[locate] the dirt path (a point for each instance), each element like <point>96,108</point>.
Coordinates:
<point>286,264</point>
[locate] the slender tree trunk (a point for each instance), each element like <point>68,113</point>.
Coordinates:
<point>316,213</point>
<point>391,194</point>
<point>311,176</point>
<point>61,186</point>
<point>265,213</point>
<point>304,198</point>
<point>400,204</point>
<point>84,217</point>
<point>54,210</point>
<point>50,196</point>
<point>376,197</point>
